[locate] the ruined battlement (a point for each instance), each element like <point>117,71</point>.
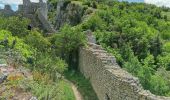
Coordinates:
<point>108,79</point>
<point>28,7</point>
<point>36,12</point>
<point>7,11</point>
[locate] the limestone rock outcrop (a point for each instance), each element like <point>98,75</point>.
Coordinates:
<point>68,12</point>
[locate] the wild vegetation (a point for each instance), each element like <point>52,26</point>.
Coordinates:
<point>22,47</point>
<point>49,57</point>
<point>137,34</point>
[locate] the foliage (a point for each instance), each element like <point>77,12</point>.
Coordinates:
<point>13,42</point>
<point>55,91</point>
<point>137,35</point>
<point>47,64</point>
<point>71,38</point>
<point>94,23</point>
<point>20,47</point>
<point>160,82</point>
<point>36,40</point>
<point>83,85</point>
<point>67,43</point>
<point>16,25</point>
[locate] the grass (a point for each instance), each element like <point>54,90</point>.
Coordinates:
<point>59,90</point>
<point>84,85</point>
<point>67,91</point>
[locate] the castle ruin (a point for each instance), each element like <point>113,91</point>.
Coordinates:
<point>36,12</point>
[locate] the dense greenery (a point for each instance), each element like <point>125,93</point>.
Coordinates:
<point>138,36</point>
<point>67,42</point>
<point>21,47</point>
<point>82,83</point>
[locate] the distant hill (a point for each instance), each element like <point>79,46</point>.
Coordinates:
<point>133,0</point>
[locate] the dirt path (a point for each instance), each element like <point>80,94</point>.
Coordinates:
<point>75,90</point>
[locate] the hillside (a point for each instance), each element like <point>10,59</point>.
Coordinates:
<point>88,49</point>
<point>137,34</point>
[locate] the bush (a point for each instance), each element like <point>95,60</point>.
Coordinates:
<point>68,42</point>
<point>13,42</point>
<point>36,40</point>
<point>16,25</point>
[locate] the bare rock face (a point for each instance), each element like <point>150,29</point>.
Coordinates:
<point>8,73</point>
<point>68,12</point>
<point>3,73</point>
<point>2,78</point>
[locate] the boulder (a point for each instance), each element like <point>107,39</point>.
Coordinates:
<point>3,77</point>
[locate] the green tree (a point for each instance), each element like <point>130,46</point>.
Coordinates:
<point>68,42</point>
<point>158,85</point>
<point>36,40</point>
<point>13,42</point>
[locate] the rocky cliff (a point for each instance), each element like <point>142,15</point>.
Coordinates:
<point>67,12</point>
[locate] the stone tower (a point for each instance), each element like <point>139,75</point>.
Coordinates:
<point>37,12</point>
<point>26,2</point>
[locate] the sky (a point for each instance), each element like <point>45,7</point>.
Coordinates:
<point>159,2</point>
<point>156,2</point>
<point>14,3</point>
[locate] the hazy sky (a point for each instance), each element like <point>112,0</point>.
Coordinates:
<point>15,1</point>
<point>156,2</point>
<point>159,2</point>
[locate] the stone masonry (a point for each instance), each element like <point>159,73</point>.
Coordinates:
<point>36,12</point>
<point>109,81</point>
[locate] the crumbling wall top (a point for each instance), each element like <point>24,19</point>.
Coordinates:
<point>7,7</point>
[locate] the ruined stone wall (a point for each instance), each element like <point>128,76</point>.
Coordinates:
<point>109,81</point>
<point>36,12</point>
<point>7,11</point>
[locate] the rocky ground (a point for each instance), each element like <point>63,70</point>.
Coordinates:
<point>9,90</point>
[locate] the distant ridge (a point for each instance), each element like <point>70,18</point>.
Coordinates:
<point>133,0</point>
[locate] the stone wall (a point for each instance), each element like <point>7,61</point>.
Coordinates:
<point>109,81</point>
<point>7,11</point>
<point>36,12</point>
